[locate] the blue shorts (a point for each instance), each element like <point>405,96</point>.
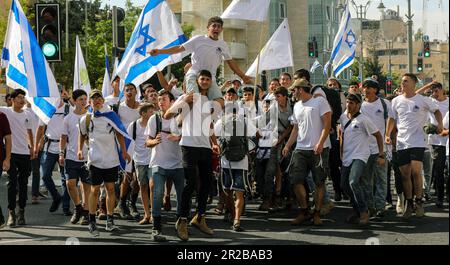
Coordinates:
<point>76,170</point>
<point>235,182</point>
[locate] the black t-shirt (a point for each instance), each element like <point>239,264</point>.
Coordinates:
<point>4,130</point>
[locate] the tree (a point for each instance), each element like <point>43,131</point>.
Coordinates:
<point>418,35</point>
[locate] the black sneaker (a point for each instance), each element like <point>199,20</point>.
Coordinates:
<point>85,218</point>
<point>158,236</point>
<point>93,229</point>
<point>134,212</point>
<point>110,226</point>
<point>55,205</point>
<point>123,212</point>
<point>76,216</point>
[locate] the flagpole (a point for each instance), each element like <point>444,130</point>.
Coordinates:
<point>257,61</point>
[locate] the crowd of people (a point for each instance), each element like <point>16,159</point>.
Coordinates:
<point>236,142</point>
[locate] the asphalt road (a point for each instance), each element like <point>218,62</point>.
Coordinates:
<point>260,228</point>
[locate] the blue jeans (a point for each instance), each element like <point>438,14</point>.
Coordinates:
<point>48,161</point>
<point>160,176</point>
<point>352,184</point>
<point>376,176</point>
<point>427,170</point>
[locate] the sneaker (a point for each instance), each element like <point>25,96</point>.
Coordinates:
<point>389,206</point>
<point>379,214</point>
<point>123,212</point>
<point>326,208</point>
<point>76,216</point>
<point>237,227</point>
<point>200,223</point>
<point>84,218</point>
<point>157,236</point>
<point>316,218</point>
<point>93,229</point>
<point>21,217</point>
<point>420,212</point>
<point>110,226</point>
<point>400,207</point>
<point>11,219</point>
<point>302,217</point>
<point>408,210</point>
<point>55,205</point>
<point>182,229</point>
<point>134,212</point>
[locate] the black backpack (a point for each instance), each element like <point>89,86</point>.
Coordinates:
<point>233,147</point>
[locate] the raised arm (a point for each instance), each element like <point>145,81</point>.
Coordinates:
<point>171,50</point>
<point>237,70</point>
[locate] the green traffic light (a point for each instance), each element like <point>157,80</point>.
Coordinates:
<point>311,54</point>
<point>49,49</point>
<point>427,54</point>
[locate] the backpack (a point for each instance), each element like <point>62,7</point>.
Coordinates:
<point>233,147</point>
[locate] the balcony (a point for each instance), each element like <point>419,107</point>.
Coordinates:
<point>238,50</point>
<point>235,24</point>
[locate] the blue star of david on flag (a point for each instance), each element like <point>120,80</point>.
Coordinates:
<point>142,50</point>
<point>351,38</point>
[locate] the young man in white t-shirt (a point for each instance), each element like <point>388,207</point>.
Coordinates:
<point>198,143</point>
<point>128,112</point>
<point>103,158</point>
<point>21,154</point>
<point>51,133</point>
<point>311,128</point>
<point>5,152</point>
<point>356,131</point>
<point>74,168</point>
<point>141,158</point>
<point>113,99</point>
<point>208,52</point>
<point>166,164</point>
<point>411,112</point>
<point>379,112</point>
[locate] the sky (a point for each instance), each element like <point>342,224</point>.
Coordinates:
<point>438,19</point>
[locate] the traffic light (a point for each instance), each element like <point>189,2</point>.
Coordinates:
<point>311,52</point>
<point>316,50</point>
<point>48,31</point>
<point>419,64</point>
<point>388,85</point>
<point>426,49</point>
<point>118,15</point>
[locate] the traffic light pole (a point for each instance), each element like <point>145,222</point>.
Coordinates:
<point>361,11</point>
<point>87,34</point>
<point>409,16</point>
<point>67,26</point>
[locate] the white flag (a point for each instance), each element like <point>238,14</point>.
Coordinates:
<point>106,87</point>
<point>247,10</point>
<point>80,76</point>
<point>277,53</point>
<point>315,65</point>
<point>156,28</point>
<point>26,66</point>
<point>344,47</point>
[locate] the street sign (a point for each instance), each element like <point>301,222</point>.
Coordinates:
<point>426,38</point>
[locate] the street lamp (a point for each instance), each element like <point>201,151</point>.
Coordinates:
<point>361,11</point>
<point>390,45</point>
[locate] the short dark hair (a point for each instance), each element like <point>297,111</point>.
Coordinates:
<point>165,92</point>
<point>286,74</point>
<point>353,83</point>
<point>274,79</point>
<point>204,73</point>
<point>281,90</point>
<point>130,85</point>
<point>7,96</point>
<point>78,93</point>
<point>337,81</point>
<point>215,20</point>
<point>145,107</point>
<point>303,73</point>
<point>248,89</point>
<point>412,76</point>
<point>17,92</point>
<point>355,98</point>
<point>436,86</point>
<point>371,83</point>
<point>146,86</point>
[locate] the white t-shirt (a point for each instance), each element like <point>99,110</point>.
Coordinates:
<point>72,131</point>
<point>195,129</point>
<point>19,124</point>
<point>308,117</point>
<point>54,130</point>
<point>207,54</point>
<point>446,125</point>
<point>167,154</point>
<point>375,112</point>
<point>434,139</point>
<point>176,92</point>
<point>127,115</point>
<point>411,114</point>
<point>102,142</point>
<point>270,96</point>
<point>111,100</point>
<point>356,137</point>
<point>243,164</point>
<point>35,121</point>
<point>141,155</point>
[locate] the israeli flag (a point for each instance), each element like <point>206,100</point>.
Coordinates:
<point>156,28</point>
<point>106,88</point>
<point>26,67</point>
<point>344,47</point>
<point>315,65</point>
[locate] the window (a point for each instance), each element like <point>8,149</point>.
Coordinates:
<point>428,65</point>
<point>178,17</point>
<point>283,13</point>
<point>402,66</point>
<point>328,13</point>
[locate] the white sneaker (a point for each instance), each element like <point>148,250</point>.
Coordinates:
<point>400,207</point>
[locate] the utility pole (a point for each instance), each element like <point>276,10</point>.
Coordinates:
<point>409,16</point>
<point>361,11</point>
<point>86,30</point>
<point>67,25</point>
<point>390,47</point>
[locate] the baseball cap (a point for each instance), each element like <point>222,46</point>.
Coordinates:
<point>95,92</point>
